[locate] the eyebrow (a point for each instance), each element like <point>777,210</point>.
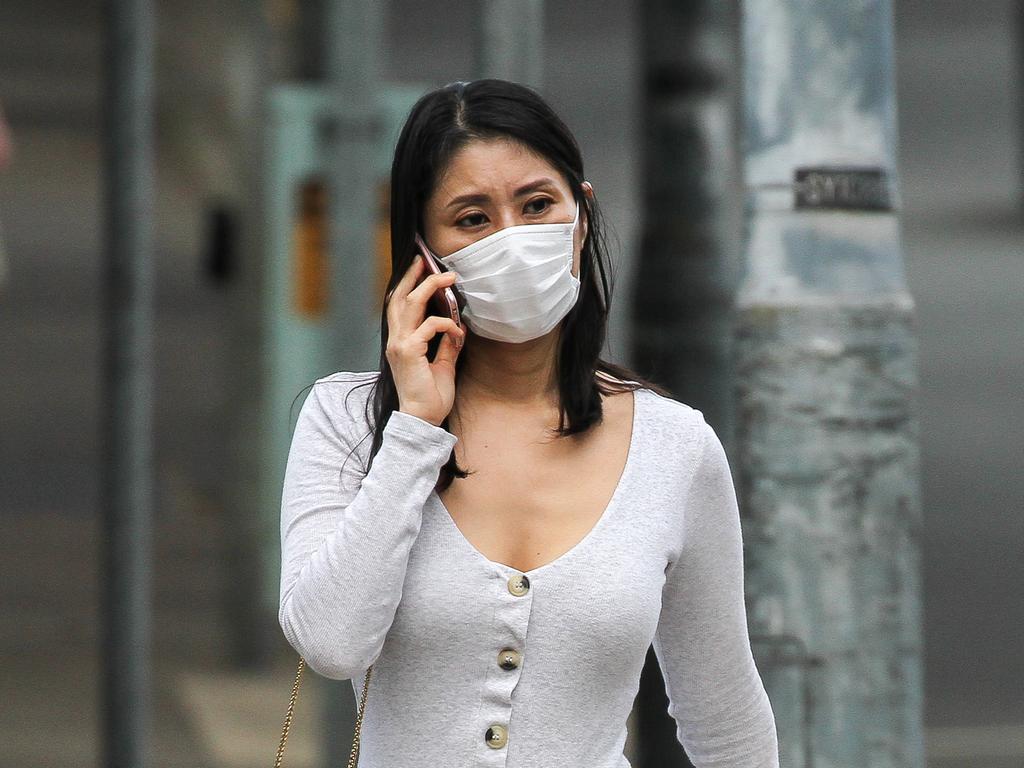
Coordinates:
<point>523,190</point>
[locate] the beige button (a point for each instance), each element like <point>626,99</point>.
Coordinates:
<point>509,658</point>
<point>496,736</point>
<point>518,584</point>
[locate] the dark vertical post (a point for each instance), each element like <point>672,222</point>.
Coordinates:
<point>688,263</point>
<point>1020,101</point>
<point>127,383</point>
<point>684,288</point>
<point>312,41</point>
<point>254,631</point>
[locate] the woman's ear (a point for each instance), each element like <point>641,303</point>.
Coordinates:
<point>588,191</point>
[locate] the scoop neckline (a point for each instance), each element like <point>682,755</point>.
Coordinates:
<point>613,502</point>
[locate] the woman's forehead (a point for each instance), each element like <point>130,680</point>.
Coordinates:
<point>494,167</point>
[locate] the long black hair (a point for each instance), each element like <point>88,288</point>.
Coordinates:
<point>440,123</point>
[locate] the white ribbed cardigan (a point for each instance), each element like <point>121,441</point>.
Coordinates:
<point>375,571</point>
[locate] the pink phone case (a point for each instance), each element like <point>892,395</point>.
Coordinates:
<point>444,301</point>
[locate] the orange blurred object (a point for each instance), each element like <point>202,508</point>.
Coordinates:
<point>310,250</point>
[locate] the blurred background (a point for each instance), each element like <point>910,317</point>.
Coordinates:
<point>243,312</point>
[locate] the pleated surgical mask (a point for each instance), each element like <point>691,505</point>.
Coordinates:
<point>517,282</point>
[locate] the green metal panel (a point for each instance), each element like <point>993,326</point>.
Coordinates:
<point>298,349</point>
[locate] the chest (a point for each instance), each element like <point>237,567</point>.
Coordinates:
<point>530,499</point>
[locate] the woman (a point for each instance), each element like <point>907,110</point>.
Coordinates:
<point>498,523</point>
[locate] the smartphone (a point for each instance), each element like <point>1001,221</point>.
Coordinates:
<point>444,301</point>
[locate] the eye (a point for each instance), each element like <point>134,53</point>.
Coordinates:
<point>538,205</point>
<point>471,220</point>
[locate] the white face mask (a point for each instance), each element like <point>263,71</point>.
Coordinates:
<point>517,282</point>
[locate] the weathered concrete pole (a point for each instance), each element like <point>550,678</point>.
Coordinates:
<point>828,458</point>
<point>510,41</point>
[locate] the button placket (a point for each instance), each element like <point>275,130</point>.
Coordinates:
<point>512,617</point>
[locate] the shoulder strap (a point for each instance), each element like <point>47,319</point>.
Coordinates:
<point>353,758</point>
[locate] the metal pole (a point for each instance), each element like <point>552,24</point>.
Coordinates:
<point>828,459</point>
<point>354,34</point>
<point>127,384</point>
<point>683,302</point>
<point>1020,103</point>
<point>684,291</point>
<point>253,626</point>
<point>510,41</point>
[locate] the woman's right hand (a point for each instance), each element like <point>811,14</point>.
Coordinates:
<point>425,389</point>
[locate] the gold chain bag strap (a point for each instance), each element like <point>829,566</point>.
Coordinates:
<point>353,757</point>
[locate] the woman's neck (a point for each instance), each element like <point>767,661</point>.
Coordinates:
<point>517,375</point>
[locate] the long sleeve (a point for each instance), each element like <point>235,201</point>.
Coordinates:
<point>723,715</point>
<point>346,536</point>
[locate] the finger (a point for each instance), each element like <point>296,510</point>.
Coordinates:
<point>448,350</point>
<point>414,308</point>
<point>433,325</point>
<point>430,284</point>
<point>395,300</point>
<point>408,280</point>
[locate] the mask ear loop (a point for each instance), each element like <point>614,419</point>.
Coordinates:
<point>572,240</point>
